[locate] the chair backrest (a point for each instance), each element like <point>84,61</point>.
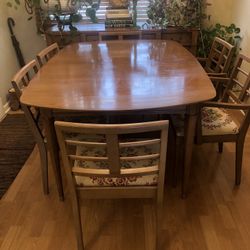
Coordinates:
<point>71,136</point>
<point>46,54</point>
<point>23,76</point>
<point>238,87</point>
<point>220,56</point>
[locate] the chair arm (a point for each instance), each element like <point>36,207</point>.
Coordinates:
<point>201,59</point>
<point>226,105</point>
<point>219,79</point>
<point>217,74</point>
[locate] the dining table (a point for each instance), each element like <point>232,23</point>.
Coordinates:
<point>120,77</point>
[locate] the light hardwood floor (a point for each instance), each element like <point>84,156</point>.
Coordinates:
<point>215,215</point>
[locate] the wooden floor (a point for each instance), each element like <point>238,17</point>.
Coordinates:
<point>214,216</point>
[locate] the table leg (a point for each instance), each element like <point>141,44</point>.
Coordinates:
<point>190,124</point>
<point>50,134</point>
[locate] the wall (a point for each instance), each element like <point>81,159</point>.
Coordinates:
<point>30,43</point>
<point>220,11</point>
<point>241,17</point>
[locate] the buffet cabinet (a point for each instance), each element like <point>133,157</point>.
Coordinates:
<point>94,32</point>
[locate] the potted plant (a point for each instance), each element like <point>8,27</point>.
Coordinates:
<point>157,15</point>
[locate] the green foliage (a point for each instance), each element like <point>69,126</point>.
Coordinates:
<point>92,7</point>
<point>91,13</point>
<point>157,13</point>
<point>181,13</point>
<point>229,33</point>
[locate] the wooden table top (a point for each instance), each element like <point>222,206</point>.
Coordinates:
<point>120,76</point>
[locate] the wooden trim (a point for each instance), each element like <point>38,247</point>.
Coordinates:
<point>45,55</point>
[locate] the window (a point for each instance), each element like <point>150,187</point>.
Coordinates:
<point>141,9</point>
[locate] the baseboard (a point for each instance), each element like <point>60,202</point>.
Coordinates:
<point>5,110</point>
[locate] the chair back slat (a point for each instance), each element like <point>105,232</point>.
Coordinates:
<point>141,157</point>
<point>113,153</point>
<point>139,143</point>
<point>88,158</point>
<point>85,143</point>
<point>46,54</point>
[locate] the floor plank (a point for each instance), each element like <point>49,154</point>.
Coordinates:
<point>214,216</point>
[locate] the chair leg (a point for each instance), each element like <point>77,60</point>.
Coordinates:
<point>44,166</point>
<point>220,144</point>
<point>159,217</point>
<point>238,161</point>
<point>178,161</point>
<point>77,221</point>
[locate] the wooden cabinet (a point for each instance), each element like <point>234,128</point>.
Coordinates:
<point>94,32</point>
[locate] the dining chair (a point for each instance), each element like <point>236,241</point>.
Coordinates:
<point>228,119</point>
<point>113,161</point>
<point>225,120</point>
<point>46,54</point>
<point>19,82</point>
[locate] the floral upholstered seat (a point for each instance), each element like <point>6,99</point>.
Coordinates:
<point>217,121</point>
<point>137,180</point>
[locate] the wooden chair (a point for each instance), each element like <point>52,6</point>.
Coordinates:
<point>46,54</point>
<point>218,121</point>
<point>19,82</point>
<point>219,58</point>
<point>228,119</point>
<point>115,176</point>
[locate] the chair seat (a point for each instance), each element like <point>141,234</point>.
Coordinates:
<point>149,180</point>
<point>217,121</point>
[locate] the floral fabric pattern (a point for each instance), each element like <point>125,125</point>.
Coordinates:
<point>217,121</point>
<point>114,181</point>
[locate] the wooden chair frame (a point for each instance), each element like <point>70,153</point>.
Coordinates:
<point>19,81</point>
<point>112,144</point>
<point>219,58</point>
<point>232,102</point>
<point>46,54</point>
<point>223,103</point>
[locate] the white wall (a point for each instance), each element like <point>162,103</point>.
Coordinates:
<point>30,43</point>
<point>220,11</point>
<point>241,17</point>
